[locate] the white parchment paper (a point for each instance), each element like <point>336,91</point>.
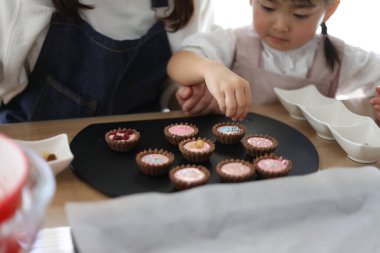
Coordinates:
<point>335,210</point>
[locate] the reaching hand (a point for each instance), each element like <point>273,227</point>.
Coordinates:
<point>232,92</point>
<point>375,101</point>
<point>196,99</point>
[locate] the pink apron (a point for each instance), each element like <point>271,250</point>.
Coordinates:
<point>248,64</point>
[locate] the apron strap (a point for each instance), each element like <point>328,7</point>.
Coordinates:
<point>162,8</point>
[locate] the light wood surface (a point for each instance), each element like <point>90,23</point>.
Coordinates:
<point>70,189</point>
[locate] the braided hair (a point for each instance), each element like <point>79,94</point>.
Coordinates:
<point>331,53</point>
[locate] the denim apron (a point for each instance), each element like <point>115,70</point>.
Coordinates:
<point>81,73</point>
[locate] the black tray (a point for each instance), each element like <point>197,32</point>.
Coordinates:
<point>116,173</point>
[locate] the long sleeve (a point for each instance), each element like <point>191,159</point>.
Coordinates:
<point>218,45</point>
<point>359,74</point>
<point>21,22</point>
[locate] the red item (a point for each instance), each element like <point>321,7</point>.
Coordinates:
<point>13,176</point>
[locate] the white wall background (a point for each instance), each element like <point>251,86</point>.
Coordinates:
<point>357,22</point>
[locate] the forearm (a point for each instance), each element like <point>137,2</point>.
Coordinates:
<point>188,68</point>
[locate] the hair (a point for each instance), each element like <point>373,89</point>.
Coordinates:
<point>179,17</point>
<point>331,53</point>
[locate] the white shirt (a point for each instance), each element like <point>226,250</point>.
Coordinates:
<point>24,24</point>
<point>359,73</point>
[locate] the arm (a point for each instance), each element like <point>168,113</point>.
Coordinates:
<point>375,102</point>
<point>231,92</point>
<point>358,81</point>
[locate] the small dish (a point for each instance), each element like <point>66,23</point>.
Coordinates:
<point>293,99</point>
<point>57,145</point>
<point>361,142</point>
<point>335,114</point>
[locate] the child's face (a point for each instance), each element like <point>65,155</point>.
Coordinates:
<point>288,24</point>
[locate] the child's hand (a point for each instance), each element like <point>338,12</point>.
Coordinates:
<point>375,101</point>
<point>232,92</point>
<point>196,99</point>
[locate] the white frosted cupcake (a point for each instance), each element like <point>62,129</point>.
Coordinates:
<point>271,165</point>
<point>229,132</point>
<point>188,176</point>
<point>235,170</point>
<point>257,145</point>
<point>154,162</point>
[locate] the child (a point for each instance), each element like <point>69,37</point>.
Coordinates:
<point>281,49</point>
<point>77,58</point>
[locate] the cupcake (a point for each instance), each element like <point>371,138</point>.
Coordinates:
<point>257,145</point>
<point>122,139</point>
<point>271,165</point>
<point>196,149</point>
<point>154,162</point>
<point>229,132</point>
<point>175,133</point>
<point>188,176</point>
<point>234,170</point>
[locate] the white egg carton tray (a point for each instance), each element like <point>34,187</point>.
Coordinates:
<point>359,136</point>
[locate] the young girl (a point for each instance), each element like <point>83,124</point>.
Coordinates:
<point>281,49</point>
<point>76,58</point>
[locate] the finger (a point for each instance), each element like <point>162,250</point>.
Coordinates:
<point>241,109</point>
<point>198,92</point>
<point>184,92</point>
<point>211,107</point>
<point>203,104</point>
<point>231,103</point>
<point>248,100</point>
<point>378,90</point>
<point>375,100</point>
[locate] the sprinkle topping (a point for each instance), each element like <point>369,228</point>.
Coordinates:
<point>197,146</point>
<point>229,129</point>
<point>260,142</point>
<point>189,174</point>
<point>181,130</point>
<point>235,169</point>
<point>155,159</point>
<point>273,164</point>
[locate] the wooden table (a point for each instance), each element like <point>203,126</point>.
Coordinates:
<point>69,188</point>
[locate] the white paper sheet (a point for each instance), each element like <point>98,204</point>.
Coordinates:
<point>335,210</point>
<point>53,240</point>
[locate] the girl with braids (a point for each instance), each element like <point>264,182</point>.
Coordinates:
<point>281,49</point>
<point>78,58</point>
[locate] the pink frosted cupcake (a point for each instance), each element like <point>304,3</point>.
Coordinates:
<point>234,170</point>
<point>122,139</point>
<point>257,145</point>
<point>188,176</point>
<point>175,133</point>
<point>271,165</point>
<point>154,162</point>
<point>197,150</point>
<point>229,132</point>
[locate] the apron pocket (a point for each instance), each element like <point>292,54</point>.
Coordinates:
<point>58,101</point>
